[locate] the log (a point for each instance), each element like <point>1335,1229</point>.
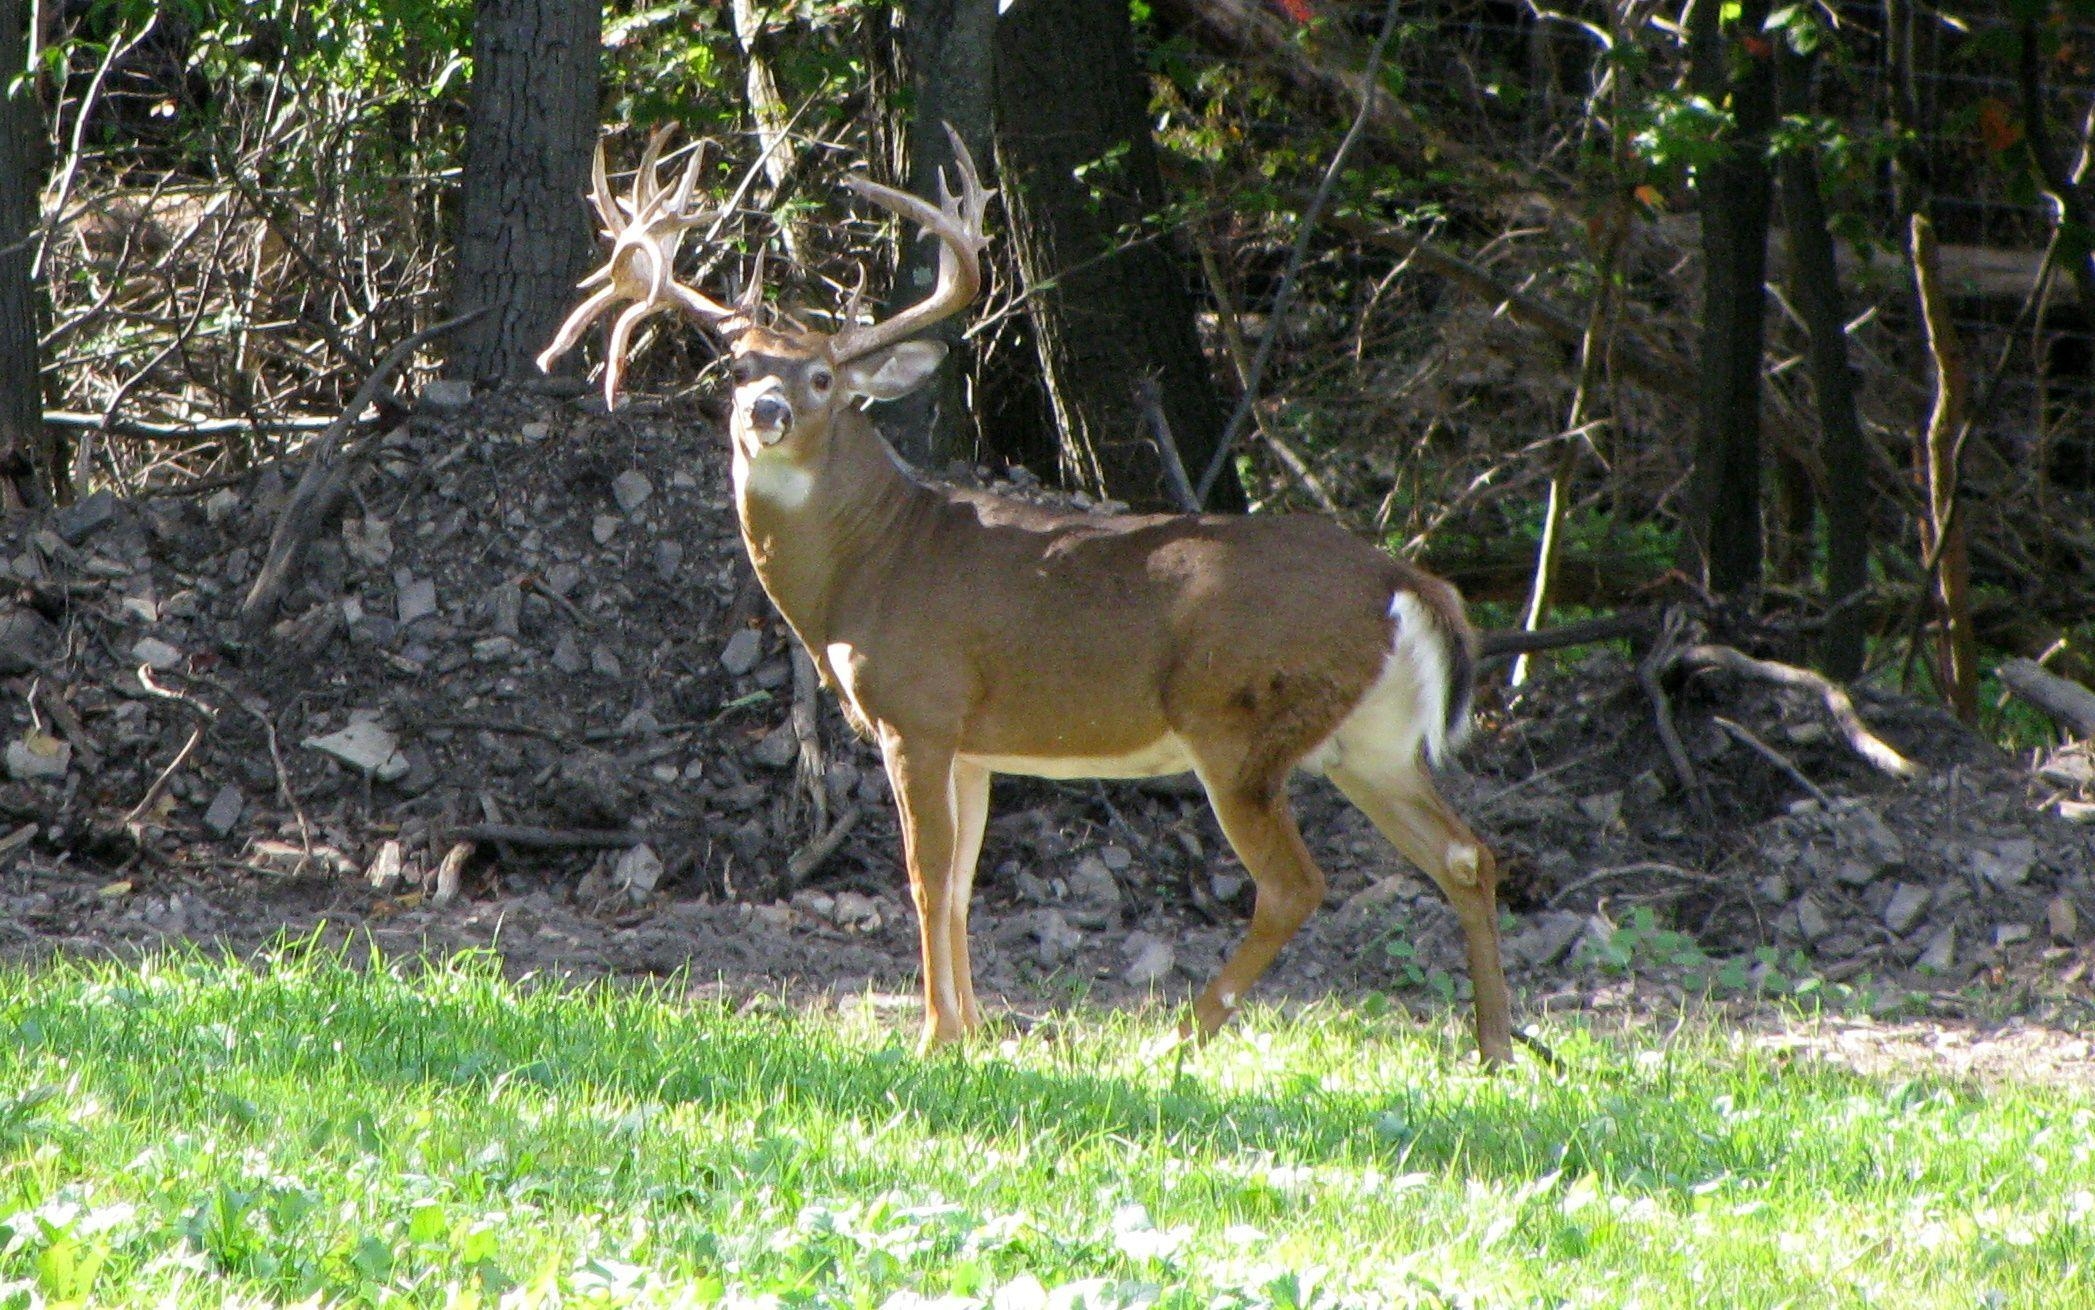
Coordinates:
<point>2065,700</point>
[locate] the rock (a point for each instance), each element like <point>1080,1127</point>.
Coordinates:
<point>368,541</point>
<point>416,597</point>
<point>1547,938</point>
<point>495,650</point>
<point>603,528</point>
<point>1603,808</point>
<point>2077,811</point>
<point>857,911</point>
<point>778,749</point>
<point>2062,920</point>
<point>742,651</point>
<point>224,810</point>
<point>815,904</point>
<point>535,431</point>
<point>156,654</point>
<point>83,518</point>
<point>1116,858</point>
<point>1865,833</point>
<point>1939,956</point>
<point>1774,888</point>
<point>563,578</point>
<point>2068,768</point>
<point>631,490</point>
<point>2006,865</point>
<point>669,558</point>
<point>604,661</point>
<point>1380,893</point>
<point>1092,884</point>
<point>364,745</point>
<point>507,602</point>
<point>1058,941</point>
<point>1227,886</point>
<point>37,755</point>
<point>384,872</point>
<point>1907,904</point>
<point>1857,873</point>
<point>1811,920</point>
<point>637,871</point>
<point>27,640</point>
<point>567,654</point>
<point>2010,934</point>
<point>1150,960</point>
<point>446,396</point>
<point>774,674</point>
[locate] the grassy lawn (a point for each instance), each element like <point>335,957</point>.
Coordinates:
<point>196,1132</point>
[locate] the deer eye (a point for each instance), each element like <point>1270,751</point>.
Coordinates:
<point>820,379</point>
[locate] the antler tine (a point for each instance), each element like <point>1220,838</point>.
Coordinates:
<point>645,230</point>
<point>957,223</point>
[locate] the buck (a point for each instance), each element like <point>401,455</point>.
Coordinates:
<point>970,636</point>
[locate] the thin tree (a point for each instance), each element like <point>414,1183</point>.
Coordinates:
<point>29,456</point>
<point>1105,289</point>
<point>524,236</point>
<point>1734,70</point>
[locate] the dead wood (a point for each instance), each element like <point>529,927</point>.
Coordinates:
<point>1839,705</point>
<point>1937,454</point>
<point>325,479</point>
<point>1499,643</point>
<point>2062,698</point>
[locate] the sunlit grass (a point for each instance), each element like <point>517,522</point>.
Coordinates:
<point>194,1130</point>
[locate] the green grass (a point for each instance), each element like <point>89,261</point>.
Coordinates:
<point>199,1132</point>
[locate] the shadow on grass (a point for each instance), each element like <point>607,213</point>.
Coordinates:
<point>167,1036</point>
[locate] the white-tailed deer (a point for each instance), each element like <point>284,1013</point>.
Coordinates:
<point>970,636</point>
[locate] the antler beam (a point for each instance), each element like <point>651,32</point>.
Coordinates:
<point>645,230</point>
<point>957,223</point>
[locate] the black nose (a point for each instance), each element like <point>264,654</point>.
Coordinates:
<point>770,412</point>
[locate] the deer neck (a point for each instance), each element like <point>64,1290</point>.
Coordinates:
<point>809,525</point>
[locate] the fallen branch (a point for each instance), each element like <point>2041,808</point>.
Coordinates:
<point>1745,737</point>
<point>1837,702</point>
<point>545,839</point>
<point>1662,653</point>
<point>1499,643</point>
<point>2065,700</point>
<point>325,478</point>
<point>816,853</point>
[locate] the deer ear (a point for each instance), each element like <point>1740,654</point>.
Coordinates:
<point>894,372</point>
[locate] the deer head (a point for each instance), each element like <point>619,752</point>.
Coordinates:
<point>790,383</point>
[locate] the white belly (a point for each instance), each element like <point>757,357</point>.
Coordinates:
<point>1167,754</point>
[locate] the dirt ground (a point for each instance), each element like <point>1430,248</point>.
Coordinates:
<point>524,696</point>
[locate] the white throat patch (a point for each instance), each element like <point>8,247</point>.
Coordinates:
<point>771,476</point>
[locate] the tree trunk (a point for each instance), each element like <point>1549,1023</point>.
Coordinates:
<point>1108,304</point>
<point>29,457</point>
<point>525,236</point>
<point>1722,543</point>
<point>948,65</point>
<point>1815,282</point>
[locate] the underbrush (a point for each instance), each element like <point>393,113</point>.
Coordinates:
<point>196,1131</point>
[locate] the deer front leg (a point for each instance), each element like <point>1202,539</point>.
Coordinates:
<point>971,816</point>
<point>922,776</point>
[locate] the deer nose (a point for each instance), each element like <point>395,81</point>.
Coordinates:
<point>770,412</point>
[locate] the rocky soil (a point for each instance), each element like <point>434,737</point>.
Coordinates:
<point>525,695</point>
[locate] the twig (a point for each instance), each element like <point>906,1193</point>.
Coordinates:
<point>545,839</point>
<point>323,481</point>
<point>1370,90</point>
<point>1642,868</point>
<point>1149,398</point>
<point>815,854</point>
<point>153,793</point>
<point>1745,737</point>
<point>1662,710</point>
<point>1837,702</point>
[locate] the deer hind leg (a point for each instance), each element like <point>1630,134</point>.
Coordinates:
<point>1399,797</point>
<point>925,794</point>
<point>971,816</point>
<point>1261,829</point>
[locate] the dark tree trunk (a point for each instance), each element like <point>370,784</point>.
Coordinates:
<point>1108,304</point>
<point>1722,543</point>
<point>29,458</point>
<point>1846,498</point>
<point>946,64</point>
<point>525,236</point>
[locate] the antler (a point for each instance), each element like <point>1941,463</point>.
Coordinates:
<point>957,223</point>
<point>645,231</point>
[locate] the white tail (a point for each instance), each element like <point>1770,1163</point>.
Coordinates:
<point>969,636</point>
